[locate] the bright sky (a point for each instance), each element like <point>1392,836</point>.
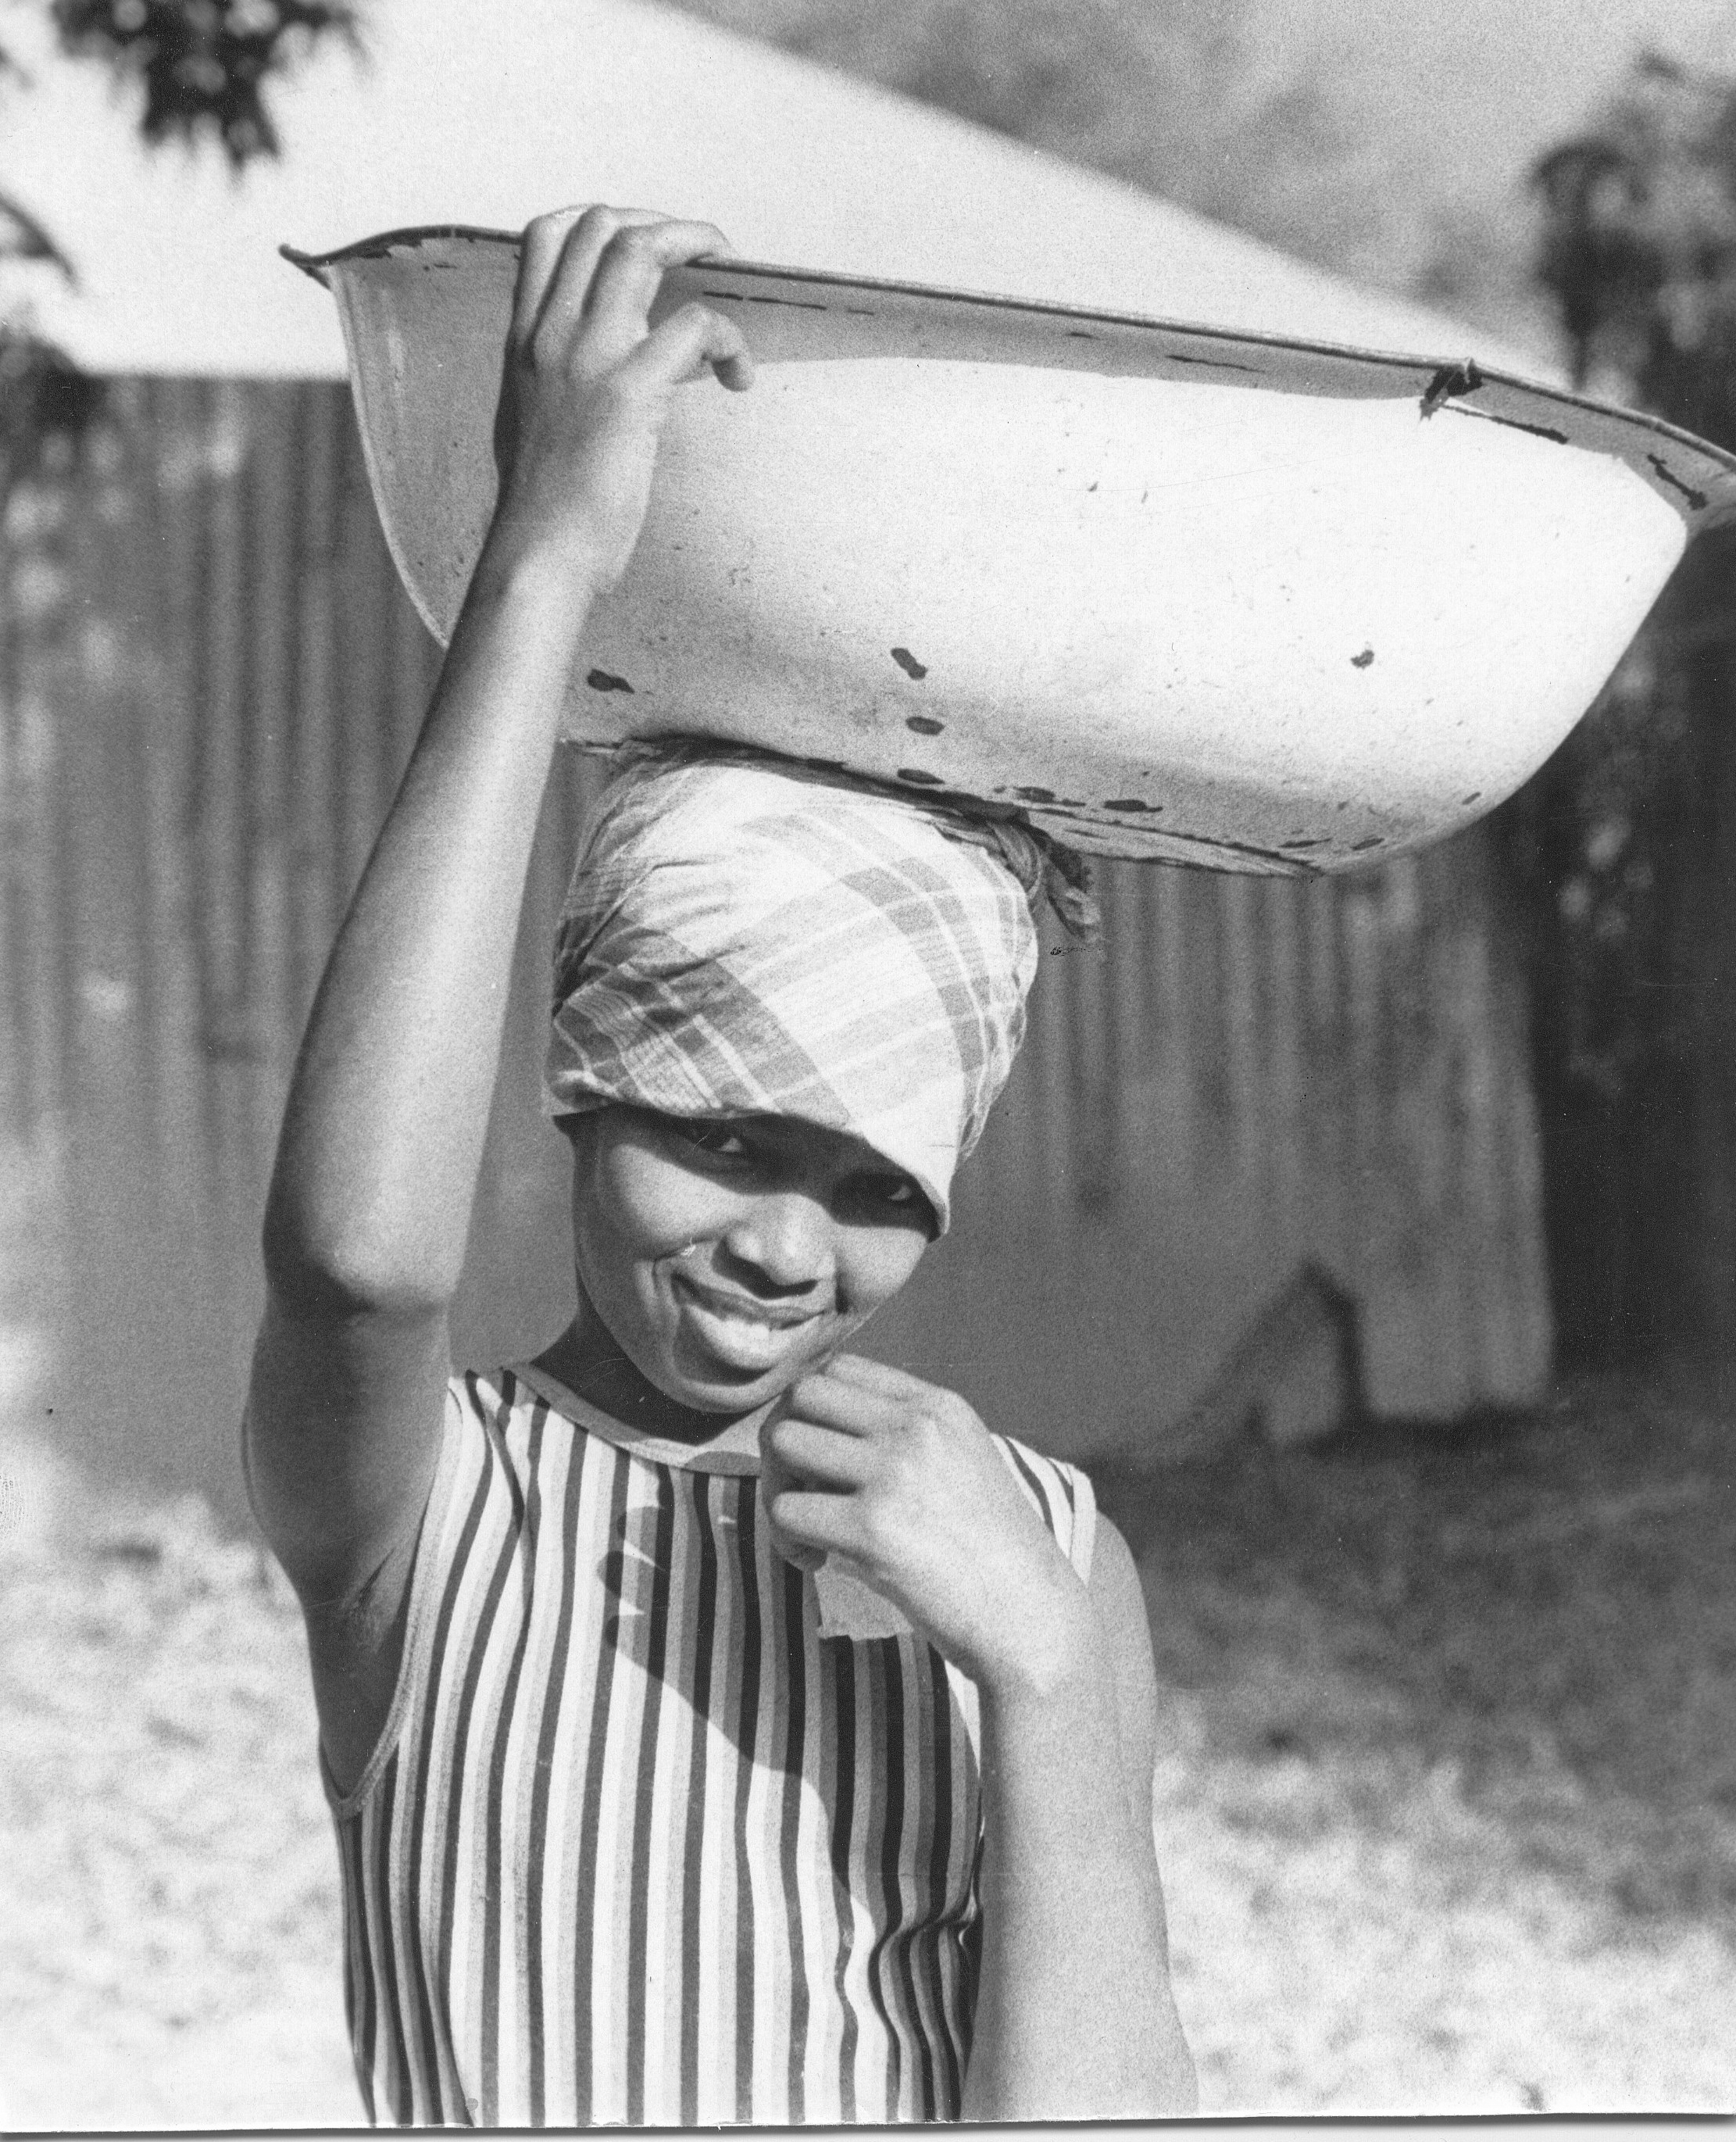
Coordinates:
<point>576,100</point>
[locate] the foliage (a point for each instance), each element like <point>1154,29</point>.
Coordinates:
<point>204,65</point>
<point>1640,244</point>
<point>1618,840</point>
<point>205,68</point>
<point>43,398</point>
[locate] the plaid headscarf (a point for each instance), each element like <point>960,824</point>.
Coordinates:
<point>744,937</point>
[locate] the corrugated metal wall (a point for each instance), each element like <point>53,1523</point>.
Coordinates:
<point>209,679</point>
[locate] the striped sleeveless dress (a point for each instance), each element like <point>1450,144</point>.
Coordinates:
<point>640,1842</point>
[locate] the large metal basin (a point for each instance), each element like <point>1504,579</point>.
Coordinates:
<point>1184,594</point>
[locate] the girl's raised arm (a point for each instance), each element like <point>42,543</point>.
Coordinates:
<point>370,1202</point>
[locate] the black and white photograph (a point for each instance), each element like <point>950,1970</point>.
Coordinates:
<point>867,1061</point>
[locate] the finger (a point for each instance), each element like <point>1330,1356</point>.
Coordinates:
<point>829,1404</point>
<point>812,1456</point>
<point>558,263</point>
<point>687,342</point>
<point>634,262</point>
<point>818,1523</point>
<point>776,1483</point>
<point>856,1369</point>
<point>539,251</point>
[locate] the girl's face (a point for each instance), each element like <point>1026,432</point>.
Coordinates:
<point>727,1259</point>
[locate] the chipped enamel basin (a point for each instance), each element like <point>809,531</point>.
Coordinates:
<point>1179,594</point>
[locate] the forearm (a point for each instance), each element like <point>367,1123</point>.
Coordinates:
<point>1074,2018</point>
<point>383,1131</point>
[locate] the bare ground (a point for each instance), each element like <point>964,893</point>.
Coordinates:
<point>1448,1807</point>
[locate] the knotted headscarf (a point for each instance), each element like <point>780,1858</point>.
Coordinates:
<point>745,937</point>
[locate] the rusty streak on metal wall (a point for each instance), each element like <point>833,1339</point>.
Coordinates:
<point>209,679</point>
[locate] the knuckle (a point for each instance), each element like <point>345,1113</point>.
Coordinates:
<point>907,1469</point>
<point>952,1414</point>
<point>925,1424</point>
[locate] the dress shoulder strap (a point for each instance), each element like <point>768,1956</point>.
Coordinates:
<point>1064,1497</point>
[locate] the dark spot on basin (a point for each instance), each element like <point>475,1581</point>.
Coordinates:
<point>1451,379</point>
<point>1362,661</point>
<point>1696,499</point>
<point>1129,803</point>
<point>908,662</point>
<point>1368,841</point>
<point>1301,844</point>
<point>1475,797</point>
<point>1036,794</point>
<point>914,773</point>
<point>923,724</point>
<point>600,680</point>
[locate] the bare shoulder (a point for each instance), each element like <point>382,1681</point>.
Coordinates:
<point>1119,1599</point>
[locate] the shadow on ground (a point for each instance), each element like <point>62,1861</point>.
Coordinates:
<point>1540,1608</point>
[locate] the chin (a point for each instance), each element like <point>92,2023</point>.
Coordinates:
<point>692,1375</point>
<point>713,1387</point>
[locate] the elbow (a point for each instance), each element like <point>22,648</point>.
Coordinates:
<point>350,1273</point>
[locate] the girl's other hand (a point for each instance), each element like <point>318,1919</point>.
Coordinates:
<point>901,1482</point>
<point>588,382</point>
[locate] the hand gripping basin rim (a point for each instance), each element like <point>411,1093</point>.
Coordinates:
<point>1172,592</point>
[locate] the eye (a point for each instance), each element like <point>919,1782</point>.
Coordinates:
<point>887,1196</point>
<point>720,1140</point>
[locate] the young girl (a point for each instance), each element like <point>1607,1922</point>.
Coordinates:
<point>719,1725</point>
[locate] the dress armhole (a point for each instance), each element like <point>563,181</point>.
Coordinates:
<point>425,1580</point>
<point>1063,1496</point>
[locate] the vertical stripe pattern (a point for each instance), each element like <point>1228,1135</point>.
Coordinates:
<point>638,1844</point>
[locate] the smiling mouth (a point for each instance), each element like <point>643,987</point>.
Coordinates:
<point>740,1333</point>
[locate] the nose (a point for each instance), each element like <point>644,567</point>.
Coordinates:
<point>785,1243</point>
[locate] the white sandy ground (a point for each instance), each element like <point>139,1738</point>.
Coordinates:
<point>1353,1939</point>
